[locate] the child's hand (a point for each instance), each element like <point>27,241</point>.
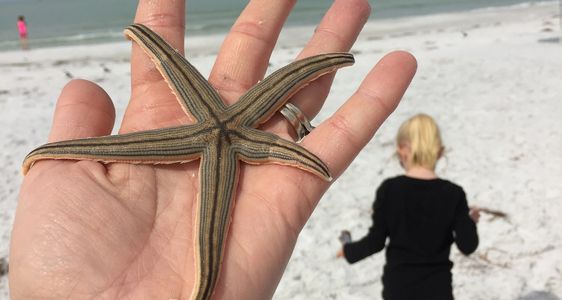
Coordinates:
<point>474,213</point>
<point>340,253</point>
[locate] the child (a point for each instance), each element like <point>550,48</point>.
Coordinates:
<point>422,215</point>
<point>22,29</point>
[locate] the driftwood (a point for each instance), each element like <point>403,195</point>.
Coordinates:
<point>493,212</point>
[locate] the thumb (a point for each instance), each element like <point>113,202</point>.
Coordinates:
<point>83,110</point>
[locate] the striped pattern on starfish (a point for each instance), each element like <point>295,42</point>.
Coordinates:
<point>220,138</point>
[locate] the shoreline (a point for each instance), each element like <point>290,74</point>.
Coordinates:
<point>385,26</point>
<point>490,77</point>
<point>381,11</point>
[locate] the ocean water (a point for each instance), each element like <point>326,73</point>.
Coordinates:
<point>66,22</point>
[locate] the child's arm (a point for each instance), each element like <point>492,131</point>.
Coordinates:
<point>375,240</point>
<point>466,235</point>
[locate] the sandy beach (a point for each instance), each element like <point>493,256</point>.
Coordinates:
<point>492,78</point>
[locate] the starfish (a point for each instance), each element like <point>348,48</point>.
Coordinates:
<point>221,137</point>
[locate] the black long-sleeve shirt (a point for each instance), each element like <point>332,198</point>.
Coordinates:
<point>421,218</point>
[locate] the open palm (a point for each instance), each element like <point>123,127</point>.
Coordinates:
<point>84,229</point>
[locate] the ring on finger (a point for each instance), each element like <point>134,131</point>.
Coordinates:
<point>297,119</point>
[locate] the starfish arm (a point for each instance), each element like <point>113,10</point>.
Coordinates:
<point>258,147</point>
<point>218,181</point>
<point>196,96</point>
<point>265,98</point>
<point>160,146</point>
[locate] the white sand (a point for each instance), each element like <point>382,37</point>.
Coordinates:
<point>496,93</point>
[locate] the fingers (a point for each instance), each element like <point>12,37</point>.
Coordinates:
<point>337,32</point>
<point>340,138</point>
<point>339,27</point>
<point>152,103</point>
<point>244,55</point>
<point>242,60</point>
<point>83,110</point>
<point>165,17</point>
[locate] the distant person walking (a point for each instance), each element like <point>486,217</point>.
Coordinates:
<point>421,215</point>
<point>22,29</point>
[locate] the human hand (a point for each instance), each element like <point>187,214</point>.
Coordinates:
<point>474,213</point>
<point>84,229</point>
<point>340,253</point>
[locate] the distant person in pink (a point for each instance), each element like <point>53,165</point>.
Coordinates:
<point>22,28</point>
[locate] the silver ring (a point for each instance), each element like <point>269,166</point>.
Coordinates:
<point>297,119</point>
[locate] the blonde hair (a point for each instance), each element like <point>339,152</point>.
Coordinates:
<point>422,135</point>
